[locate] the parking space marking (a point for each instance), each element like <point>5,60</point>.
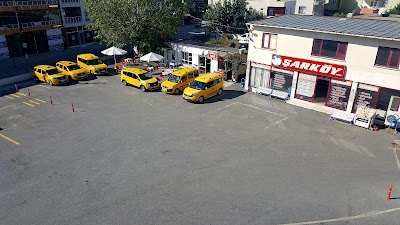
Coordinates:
<point>37,103</point>
<point>22,94</point>
<point>9,97</point>
<point>9,139</point>
<point>347,218</point>
<point>28,104</point>
<point>14,95</point>
<point>40,100</point>
<point>44,86</point>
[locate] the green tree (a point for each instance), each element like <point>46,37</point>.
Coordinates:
<point>234,61</point>
<point>147,24</point>
<point>395,10</point>
<point>195,9</point>
<point>231,16</point>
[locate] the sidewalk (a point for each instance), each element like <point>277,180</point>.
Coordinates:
<point>10,67</point>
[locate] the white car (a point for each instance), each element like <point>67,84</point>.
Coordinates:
<point>244,38</point>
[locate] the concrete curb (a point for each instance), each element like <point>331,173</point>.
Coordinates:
<point>15,79</point>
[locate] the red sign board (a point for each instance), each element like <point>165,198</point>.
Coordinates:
<point>213,55</point>
<point>309,66</point>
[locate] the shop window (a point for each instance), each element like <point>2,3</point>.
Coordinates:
<point>388,57</point>
<point>269,41</point>
<point>329,49</point>
<point>259,77</point>
<point>384,98</point>
<point>338,96</point>
<point>187,58</point>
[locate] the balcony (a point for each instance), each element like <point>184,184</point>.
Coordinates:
<point>317,2</point>
<point>36,5</point>
<point>75,19</point>
<point>9,29</point>
<point>41,25</point>
<point>7,6</point>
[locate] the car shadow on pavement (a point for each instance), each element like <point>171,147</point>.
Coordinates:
<point>226,95</point>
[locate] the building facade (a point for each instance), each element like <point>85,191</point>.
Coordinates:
<point>273,7</point>
<point>74,20</point>
<point>355,6</point>
<point>205,58</point>
<point>326,63</point>
<point>29,27</point>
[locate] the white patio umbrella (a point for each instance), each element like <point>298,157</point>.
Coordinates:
<point>152,57</point>
<point>114,51</point>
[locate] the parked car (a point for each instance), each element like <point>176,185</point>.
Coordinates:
<point>179,80</point>
<point>244,38</point>
<point>92,64</point>
<point>49,74</point>
<point>139,78</point>
<point>73,70</point>
<point>204,87</point>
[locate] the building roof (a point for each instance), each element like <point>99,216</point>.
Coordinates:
<point>379,29</point>
<point>223,51</point>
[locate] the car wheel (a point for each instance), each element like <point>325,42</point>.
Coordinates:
<point>91,73</point>
<point>201,99</point>
<point>142,88</point>
<point>177,91</point>
<point>124,83</point>
<point>220,91</point>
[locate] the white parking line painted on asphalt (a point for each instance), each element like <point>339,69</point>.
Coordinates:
<point>347,218</point>
<point>9,97</point>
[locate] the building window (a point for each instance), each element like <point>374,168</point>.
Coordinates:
<point>187,58</point>
<point>330,49</point>
<point>302,10</point>
<point>259,77</point>
<point>388,57</point>
<point>269,41</point>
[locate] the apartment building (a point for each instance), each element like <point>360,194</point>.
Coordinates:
<point>74,20</point>
<point>371,6</point>
<point>326,63</point>
<point>29,27</point>
<point>273,7</point>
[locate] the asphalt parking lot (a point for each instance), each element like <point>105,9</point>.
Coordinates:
<point>127,157</point>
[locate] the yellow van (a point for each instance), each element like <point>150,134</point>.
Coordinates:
<point>139,78</point>
<point>204,87</point>
<point>92,64</point>
<point>49,74</point>
<point>72,69</point>
<point>179,80</point>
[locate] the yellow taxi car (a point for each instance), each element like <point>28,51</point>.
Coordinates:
<point>49,74</point>
<point>92,64</point>
<point>204,87</point>
<point>179,80</point>
<point>72,69</point>
<point>139,78</point>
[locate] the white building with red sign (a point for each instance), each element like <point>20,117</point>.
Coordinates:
<point>206,58</point>
<point>325,63</point>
